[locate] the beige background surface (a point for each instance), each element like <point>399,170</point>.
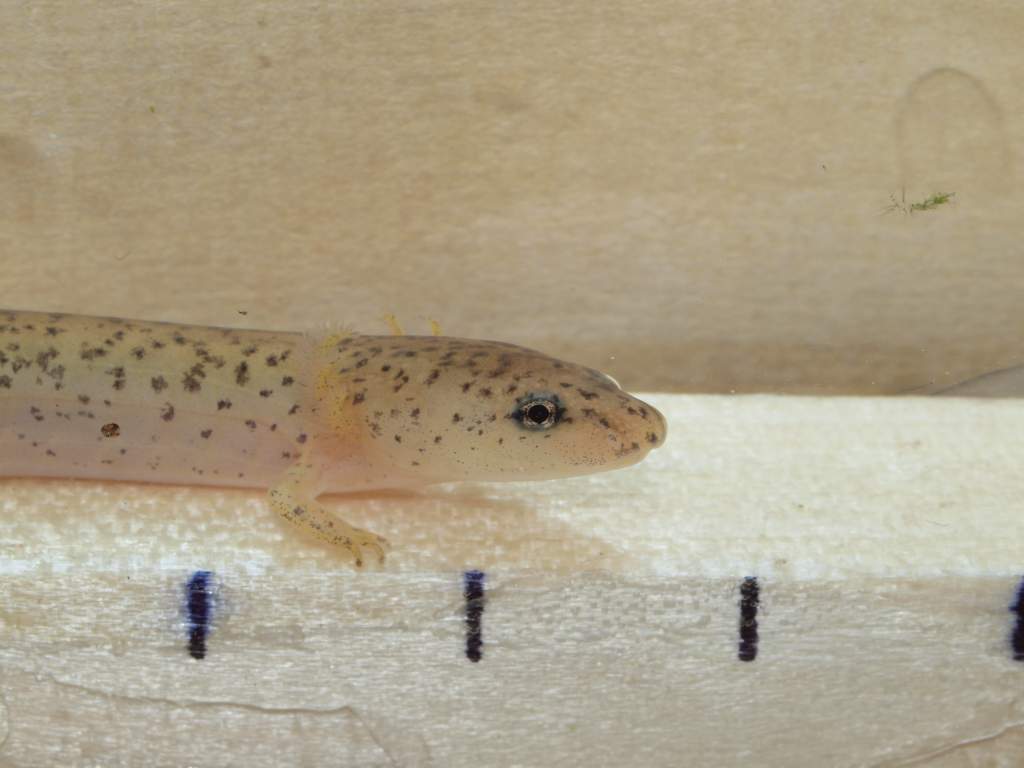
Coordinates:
<point>686,194</point>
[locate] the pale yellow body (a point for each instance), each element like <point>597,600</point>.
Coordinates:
<point>138,401</point>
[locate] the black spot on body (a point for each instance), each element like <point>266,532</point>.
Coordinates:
<point>43,358</point>
<point>191,382</point>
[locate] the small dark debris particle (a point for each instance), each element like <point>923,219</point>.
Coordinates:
<point>437,439</point>
<point>456,418</point>
<point>205,434</point>
<point>250,424</point>
<point>223,404</point>
<point>158,383</point>
<point>167,414</point>
<point>266,392</point>
<point>110,430</point>
<point>358,397</point>
<point>287,381</point>
<point>398,438</point>
<point>301,438</point>
<point>242,373</point>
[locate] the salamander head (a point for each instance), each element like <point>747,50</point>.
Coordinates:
<point>440,409</point>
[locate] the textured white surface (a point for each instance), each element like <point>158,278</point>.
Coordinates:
<point>885,533</point>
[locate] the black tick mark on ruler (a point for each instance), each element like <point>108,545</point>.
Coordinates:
<point>749,601</point>
<point>199,603</point>
<point>473,589</point>
<point>1017,638</point>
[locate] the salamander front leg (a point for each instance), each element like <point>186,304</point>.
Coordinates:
<point>294,499</point>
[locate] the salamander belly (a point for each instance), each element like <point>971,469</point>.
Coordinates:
<point>129,442</point>
<point>111,399</point>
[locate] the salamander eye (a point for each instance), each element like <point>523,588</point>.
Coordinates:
<point>539,413</point>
